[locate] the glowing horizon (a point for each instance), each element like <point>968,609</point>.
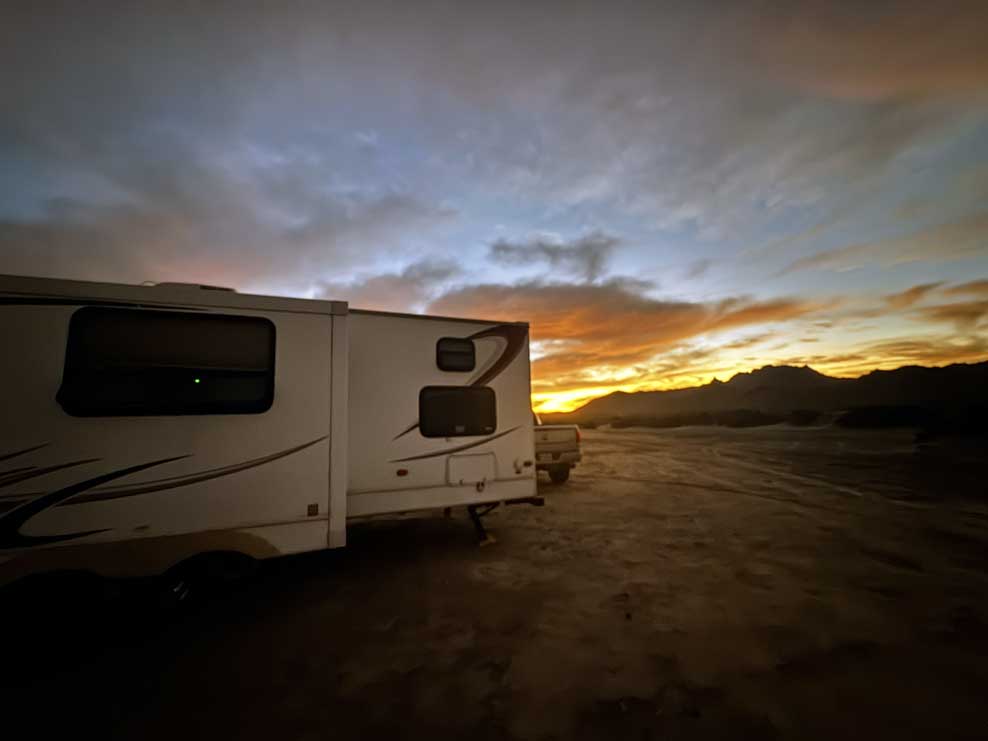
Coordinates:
<point>548,402</point>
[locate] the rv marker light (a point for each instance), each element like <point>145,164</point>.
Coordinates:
<point>195,380</point>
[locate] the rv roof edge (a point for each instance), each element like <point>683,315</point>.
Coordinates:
<point>433,317</point>
<point>160,294</point>
<point>193,286</point>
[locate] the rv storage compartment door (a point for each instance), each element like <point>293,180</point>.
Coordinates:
<point>469,469</point>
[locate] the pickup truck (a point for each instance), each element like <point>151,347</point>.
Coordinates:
<point>557,449</point>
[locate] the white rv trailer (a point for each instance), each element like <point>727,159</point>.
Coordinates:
<point>146,425</point>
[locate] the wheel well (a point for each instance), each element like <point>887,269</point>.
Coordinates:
<point>220,565</point>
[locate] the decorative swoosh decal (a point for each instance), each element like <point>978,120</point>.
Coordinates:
<point>175,482</point>
<point>11,522</point>
<point>457,449</point>
<point>413,426</point>
<point>12,471</point>
<point>8,456</point>
<point>514,336</point>
<point>12,478</point>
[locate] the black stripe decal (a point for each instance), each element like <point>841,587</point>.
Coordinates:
<point>514,335</point>
<point>414,425</point>
<point>12,471</point>
<point>12,500</point>
<point>12,478</point>
<point>175,482</point>
<point>13,514</point>
<point>457,449</point>
<point>12,521</point>
<point>8,456</point>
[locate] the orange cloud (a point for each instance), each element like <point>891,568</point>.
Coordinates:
<point>910,296</point>
<point>595,339</point>
<point>603,335</point>
<point>965,314</point>
<point>886,355</point>
<point>972,288</point>
<point>959,240</point>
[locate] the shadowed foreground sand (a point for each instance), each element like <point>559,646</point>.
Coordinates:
<point>694,583</point>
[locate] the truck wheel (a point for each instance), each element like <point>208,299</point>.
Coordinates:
<point>559,474</point>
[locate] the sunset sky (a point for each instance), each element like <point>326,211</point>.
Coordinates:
<point>668,192</point>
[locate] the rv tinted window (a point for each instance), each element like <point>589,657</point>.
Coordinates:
<point>455,354</point>
<point>457,411</point>
<point>123,362</point>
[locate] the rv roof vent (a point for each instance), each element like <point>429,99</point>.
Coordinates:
<point>199,286</point>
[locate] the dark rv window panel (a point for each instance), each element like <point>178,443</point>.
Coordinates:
<point>128,362</point>
<point>457,411</point>
<point>455,354</point>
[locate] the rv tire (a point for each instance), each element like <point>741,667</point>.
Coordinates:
<point>201,575</point>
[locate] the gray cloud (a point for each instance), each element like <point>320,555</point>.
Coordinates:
<point>964,239</point>
<point>699,114</point>
<point>190,216</point>
<point>698,268</point>
<point>585,256</point>
<point>876,50</point>
<point>133,243</point>
<point>407,290</point>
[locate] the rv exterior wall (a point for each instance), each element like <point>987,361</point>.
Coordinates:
<point>84,485</point>
<point>393,467</point>
<point>211,476</point>
<point>339,404</point>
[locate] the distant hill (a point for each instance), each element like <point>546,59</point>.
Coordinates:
<point>910,395</point>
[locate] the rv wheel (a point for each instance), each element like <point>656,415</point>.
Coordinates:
<point>559,474</point>
<point>173,589</point>
<point>201,575</point>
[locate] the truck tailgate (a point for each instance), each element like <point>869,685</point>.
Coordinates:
<point>546,436</point>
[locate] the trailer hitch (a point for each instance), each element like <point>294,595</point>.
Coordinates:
<point>534,501</point>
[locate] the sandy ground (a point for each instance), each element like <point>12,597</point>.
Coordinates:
<point>696,583</point>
